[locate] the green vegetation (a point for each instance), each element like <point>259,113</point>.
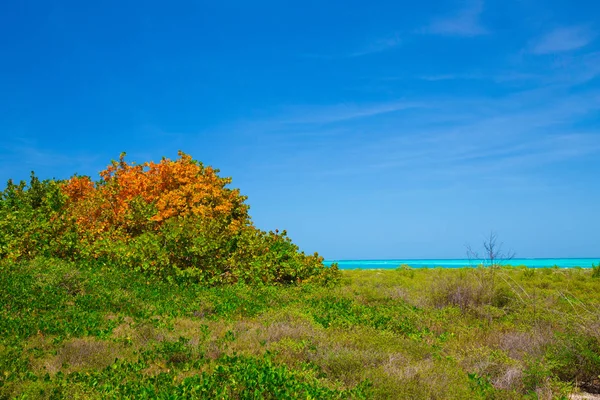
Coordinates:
<point>153,283</point>
<point>90,331</point>
<point>595,271</point>
<point>175,219</point>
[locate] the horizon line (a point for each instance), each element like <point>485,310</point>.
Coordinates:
<point>461,259</point>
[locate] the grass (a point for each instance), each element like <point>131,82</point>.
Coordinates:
<point>82,331</point>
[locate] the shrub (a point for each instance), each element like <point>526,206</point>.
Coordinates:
<point>175,219</point>
<point>133,199</point>
<point>595,271</point>
<point>576,358</point>
<point>470,291</point>
<point>461,291</point>
<point>31,221</point>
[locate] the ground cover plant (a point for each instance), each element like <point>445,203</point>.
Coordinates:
<point>92,331</point>
<point>153,283</point>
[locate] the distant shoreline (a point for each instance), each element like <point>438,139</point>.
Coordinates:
<point>465,263</point>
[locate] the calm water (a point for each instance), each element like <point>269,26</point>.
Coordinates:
<point>455,263</point>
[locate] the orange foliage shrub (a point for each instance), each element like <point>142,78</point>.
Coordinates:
<point>132,199</point>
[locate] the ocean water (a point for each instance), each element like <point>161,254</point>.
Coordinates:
<point>458,263</point>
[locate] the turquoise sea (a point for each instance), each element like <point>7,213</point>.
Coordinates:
<point>458,263</point>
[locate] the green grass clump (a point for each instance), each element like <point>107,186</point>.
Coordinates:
<point>231,377</point>
<point>596,271</point>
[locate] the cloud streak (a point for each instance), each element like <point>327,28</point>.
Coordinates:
<point>562,40</point>
<point>379,45</point>
<point>496,138</point>
<point>327,114</point>
<point>465,22</point>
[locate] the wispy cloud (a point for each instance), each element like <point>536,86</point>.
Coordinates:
<point>563,39</point>
<point>373,46</point>
<point>378,46</point>
<point>574,69</point>
<point>29,155</point>
<point>465,22</point>
<point>343,112</point>
<point>494,140</point>
<point>451,77</point>
<point>500,76</point>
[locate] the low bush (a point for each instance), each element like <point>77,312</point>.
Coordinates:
<point>595,271</point>
<point>173,219</point>
<point>576,358</point>
<point>461,291</point>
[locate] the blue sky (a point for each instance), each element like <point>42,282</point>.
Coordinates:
<point>385,129</point>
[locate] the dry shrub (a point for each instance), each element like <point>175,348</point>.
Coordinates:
<point>519,345</point>
<point>196,330</point>
<point>139,334</point>
<point>469,290</point>
<point>124,329</point>
<point>288,324</point>
<point>84,353</point>
<point>400,368</point>
<point>511,379</point>
<point>461,291</point>
<point>347,364</point>
<point>424,379</point>
<point>146,333</point>
<point>72,283</point>
<point>249,339</point>
<point>299,330</point>
<point>399,293</point>
<point>289,334</point>
<point>545,392</point>
<point>584,396</point>
<point>588,323</point>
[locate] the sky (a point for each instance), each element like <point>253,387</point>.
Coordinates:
<point>367,130</point>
